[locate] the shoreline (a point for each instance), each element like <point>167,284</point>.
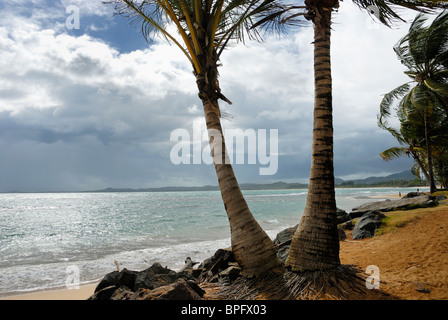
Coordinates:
<point>83,293</point>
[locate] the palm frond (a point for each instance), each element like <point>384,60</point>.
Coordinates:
<point>394,152</point>
<point>389,98</point>
<point>386,10</point>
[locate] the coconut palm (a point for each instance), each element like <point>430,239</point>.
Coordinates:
<point>411,146</point>
<point>424,100</point>
<point>315,245</point>
<point>204,28</point>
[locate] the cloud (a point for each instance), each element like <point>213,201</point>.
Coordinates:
<point>81,111</point>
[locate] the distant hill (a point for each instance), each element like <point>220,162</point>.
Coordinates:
<point>401,179</point>
<point>243,186</point>
<point>404,179</point>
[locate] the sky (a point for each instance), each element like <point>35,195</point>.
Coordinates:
<point>92,106</point>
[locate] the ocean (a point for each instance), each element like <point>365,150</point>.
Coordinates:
<point>49,239</point>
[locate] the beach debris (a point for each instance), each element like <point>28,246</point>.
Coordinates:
<point>188,264</point>
<point>117,264</point>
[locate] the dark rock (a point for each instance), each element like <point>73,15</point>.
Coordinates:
<point>211,267</point>
<point>347,225</point>
<point>440,197</point>
<point>283,241</point>
<point>122,293</point>
<point>179,290</point>
<point>367,225</point>
<point>230,274</point>
<point>126,278</point>
<point>342,216</point>
<point>103,294</point>
<point>107,281</point>
<point>196,288</point>
<point>356,214</point>
<point>157,276</point>
<point>412,195</point>
<point>285,235</point>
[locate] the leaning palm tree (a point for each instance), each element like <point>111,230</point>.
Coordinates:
<point>205,28</point>
<point>424,100</point>
<point>315,245</point>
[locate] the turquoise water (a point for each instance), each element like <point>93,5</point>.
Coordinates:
<point>41,235</point>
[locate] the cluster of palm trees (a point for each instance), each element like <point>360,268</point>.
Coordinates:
<point>204,29</point>
<point>421,105</point>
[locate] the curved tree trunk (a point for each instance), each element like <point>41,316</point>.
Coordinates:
<point>315,245</point>
<point>252,247</point>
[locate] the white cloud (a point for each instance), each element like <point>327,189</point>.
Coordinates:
<point>61,89</point>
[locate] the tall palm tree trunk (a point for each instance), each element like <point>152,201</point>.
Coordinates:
<point>252,247</point>
<point>315,245</point>
<point>432,184</point>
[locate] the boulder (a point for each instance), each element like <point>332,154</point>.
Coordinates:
<point>157,276</point>
<point>367,225</point>
<point>103,293</point>
<point>121,285</point>
<point>122,293</point>
<point>420,201</point>
<point>124,277</point>
<point>283,241</point>
<point>211,267</point>
<point>179,290</point>
<point>412,195</point>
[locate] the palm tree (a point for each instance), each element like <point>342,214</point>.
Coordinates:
<point>315,245</point>
<point>424,52</point>
<point>411,146</point>
<point>205,28</point>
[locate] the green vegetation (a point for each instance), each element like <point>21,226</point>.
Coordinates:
<point>392,183</point>
<point>421,105</point>
<point>398,219</point>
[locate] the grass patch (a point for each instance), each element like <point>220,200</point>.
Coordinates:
<point>440,193</point>
<point>399,219</point>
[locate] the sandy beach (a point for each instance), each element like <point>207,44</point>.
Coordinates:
<point>411,258</point>
<point>83,293</point>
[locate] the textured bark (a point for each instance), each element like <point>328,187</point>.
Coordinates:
<point>432,184</point>
<point>252,247</point>
<point>315,245</point>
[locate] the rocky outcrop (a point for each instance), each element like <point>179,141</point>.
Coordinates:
<point>129,285</point>
<point>367,225</point>
<point>419,201</point>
